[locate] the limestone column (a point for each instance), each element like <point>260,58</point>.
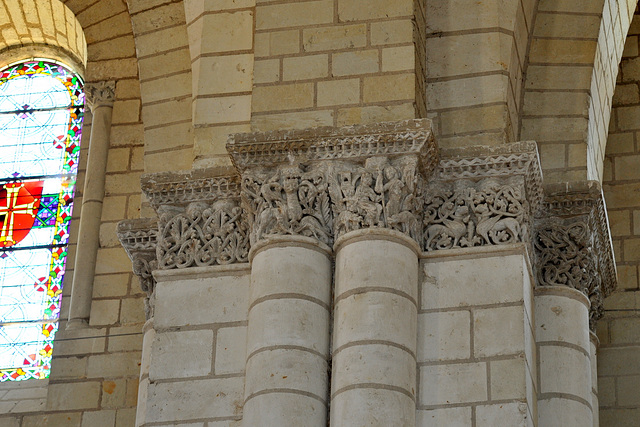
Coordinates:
<point>100,97</point>
<point>376,293</point>
<point>288,333</point>
<point>287,381</point>
<point>562,334</point>
<point>375,329</point>
<point>595,404</point>
<point>574,273</point>
<point>358,187</point>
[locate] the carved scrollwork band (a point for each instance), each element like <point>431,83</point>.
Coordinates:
<point>573,246</point>
<point>203,234</point>
<point>466,214</point>
<point>325,182</point>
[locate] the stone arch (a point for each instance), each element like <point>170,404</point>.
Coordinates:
<point>45,27</point>
<point>621,183</point>
<point>571,74</point>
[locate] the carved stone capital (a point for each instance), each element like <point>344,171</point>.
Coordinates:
<point>573,245</point>
<point>324,182</point>
<point>483,196</point>
<point>100,94</point>
<point>200,220</point>
<point>138,238</point>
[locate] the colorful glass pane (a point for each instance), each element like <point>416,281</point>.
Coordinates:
<point>41,112</point>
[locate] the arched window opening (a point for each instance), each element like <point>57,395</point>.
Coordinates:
<point>41,112</point>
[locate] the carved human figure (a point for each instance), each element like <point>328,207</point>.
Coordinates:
<point>394,189</point>
<point>367,201</point>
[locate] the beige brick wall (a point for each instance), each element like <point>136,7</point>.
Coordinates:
<point>474,69</point>
<point>164,65</point>
<point>476,349</point>
<point>221,51</point>
<point>334,63</point>
<point>41,22</point>
<point>197,356</point>
<point>619,353</point>
<point>570,80</point>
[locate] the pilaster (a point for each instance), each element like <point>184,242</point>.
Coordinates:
<point>476,353</point>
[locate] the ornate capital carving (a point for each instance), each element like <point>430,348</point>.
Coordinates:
<point>325,182</point>
<point>138,238</point>
<point>203,234</point>
<point>483,196</point>
<point>382,192</point>
<point>200,221</point>
<point>290,200</point>
<point>493,211</point>
<point>100,94</point>
<point>573,245</point>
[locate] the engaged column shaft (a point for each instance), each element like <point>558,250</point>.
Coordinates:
<point>288,334</point>
<point>375,330</point>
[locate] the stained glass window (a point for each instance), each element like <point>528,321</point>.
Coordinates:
<point>41,111</point>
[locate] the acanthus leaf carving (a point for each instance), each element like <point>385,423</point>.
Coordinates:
<point>99,94</point>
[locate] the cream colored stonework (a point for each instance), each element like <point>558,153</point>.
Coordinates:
<point>347,263</point>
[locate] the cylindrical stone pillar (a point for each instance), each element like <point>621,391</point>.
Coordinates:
<point>594,378</point>
<point>149,334</point>
<point>101,97</point>
<point>564,352</point>
<point>286,383</point>
<point>375,330</point>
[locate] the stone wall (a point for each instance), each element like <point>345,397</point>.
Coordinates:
<point>619,354</point>
<point>476,340</point>
<point>573,60</point>
<point>333,63</point>
<point>42,22</point>
<point>163,62</point>
<point>195,371</point>
<point>475,66</point>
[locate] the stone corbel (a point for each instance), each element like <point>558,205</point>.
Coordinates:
<point>325,182</point>
<point>200,220</point>
<point>573,244</point>
<point>139,238</point>
<point>483,196</point>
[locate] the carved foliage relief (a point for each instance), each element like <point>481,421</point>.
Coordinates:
<point>565,257</point>
<point>203,234</point>
<point>288,200</point>
<point>328,200</point>
<point>466,214</point>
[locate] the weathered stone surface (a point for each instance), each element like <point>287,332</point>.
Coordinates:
<point>195,399</point>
